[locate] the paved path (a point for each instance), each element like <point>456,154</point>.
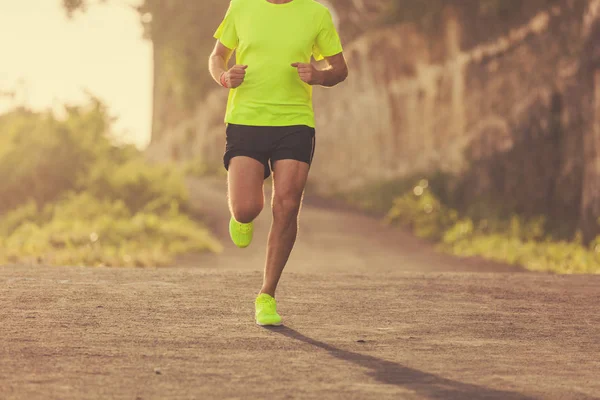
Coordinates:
<point>371,313</point>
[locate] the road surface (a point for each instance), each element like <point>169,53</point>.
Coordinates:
<point>370,313</point>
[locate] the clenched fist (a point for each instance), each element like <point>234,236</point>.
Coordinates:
<point>235,76</point>
<point>308,73</point>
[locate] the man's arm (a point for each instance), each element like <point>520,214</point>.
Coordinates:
<point>335,73</point>
<point>217,65</point>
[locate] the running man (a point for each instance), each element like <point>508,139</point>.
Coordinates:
<point>270,119</point>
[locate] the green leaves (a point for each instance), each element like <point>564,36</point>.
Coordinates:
<point>513,240</point>
<point>70,196</point>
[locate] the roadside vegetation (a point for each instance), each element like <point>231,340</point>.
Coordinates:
<point>72,196</point>
<point>528,242</point>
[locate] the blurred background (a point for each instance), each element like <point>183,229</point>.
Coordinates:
<point>473,123</point>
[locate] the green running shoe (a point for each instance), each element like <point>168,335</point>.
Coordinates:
<point>266,311</point>
<point>241,234</point>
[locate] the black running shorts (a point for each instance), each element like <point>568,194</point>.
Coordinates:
<point>268,144</point>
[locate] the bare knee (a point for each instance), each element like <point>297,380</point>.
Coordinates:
<point>286,206</point>
<point>246,212</point>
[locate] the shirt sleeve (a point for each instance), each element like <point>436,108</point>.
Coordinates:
<point>226,32</point>
<point>328,42</point>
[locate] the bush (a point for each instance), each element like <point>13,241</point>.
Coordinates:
<point>197,168</point>
<point>422,212</point>
<point>71,196</point>
<point>42,157</point>
<point>515,241</point>
<point>378,197</point>
<point>82,229</point>
<point>137,184</point>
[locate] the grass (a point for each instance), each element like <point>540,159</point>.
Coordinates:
<point>513,240</point>
<point>83,230</point>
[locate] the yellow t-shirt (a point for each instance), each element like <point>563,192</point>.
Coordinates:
<point>269,38</point>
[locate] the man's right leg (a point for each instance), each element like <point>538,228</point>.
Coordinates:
<point>246,196</point>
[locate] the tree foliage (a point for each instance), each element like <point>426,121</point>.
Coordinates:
<point>72,6</point>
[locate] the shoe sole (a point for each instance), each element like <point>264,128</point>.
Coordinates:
<point>259,324</point>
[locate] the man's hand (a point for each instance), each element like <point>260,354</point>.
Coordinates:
<point>235,76</point>
<point>309,74</point>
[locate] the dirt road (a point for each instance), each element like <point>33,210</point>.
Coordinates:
<point>370,312</point>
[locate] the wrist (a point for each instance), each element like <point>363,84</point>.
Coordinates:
<point>223,79</point>
<point>320,77</point>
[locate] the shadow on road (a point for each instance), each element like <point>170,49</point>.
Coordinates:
<point>391,373</point>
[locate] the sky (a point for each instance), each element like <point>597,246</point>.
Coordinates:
<point>50,60</point>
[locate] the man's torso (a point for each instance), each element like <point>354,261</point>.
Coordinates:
<point>270,38</point>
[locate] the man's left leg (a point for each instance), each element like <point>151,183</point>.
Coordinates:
<point>289,180</point>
